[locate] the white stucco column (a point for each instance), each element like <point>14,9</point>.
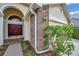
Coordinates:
<point>26,30</point>
<point>1,28</point>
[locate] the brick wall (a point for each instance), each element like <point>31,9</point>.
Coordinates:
<point>42,22</point>
<point>32,25</point>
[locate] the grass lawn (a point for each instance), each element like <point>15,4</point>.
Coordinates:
<point>2,49</point>
<point>29,51</point>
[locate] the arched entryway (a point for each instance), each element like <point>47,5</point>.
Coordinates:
<point>9,14</point>
<point>13,25</point>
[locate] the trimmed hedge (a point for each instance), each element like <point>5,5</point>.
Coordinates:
<point>76,33</point>
<point>60,38</point>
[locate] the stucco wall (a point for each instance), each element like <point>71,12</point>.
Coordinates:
<point>56,13</point>
<point>1,29</point>
<point>26,28</point>
<point>23,8</point>
<point>11,11</point>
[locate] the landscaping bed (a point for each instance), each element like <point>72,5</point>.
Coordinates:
<point>28,50</point>
<point>76,33</point>
<point>48,53</point>
<point>2,49</point>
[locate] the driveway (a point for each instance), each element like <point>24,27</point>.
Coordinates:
<point>76,51</point>
<point>14,50</point>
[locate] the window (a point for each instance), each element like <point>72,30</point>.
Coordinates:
<point>14,26</point>
<point>15,17</point>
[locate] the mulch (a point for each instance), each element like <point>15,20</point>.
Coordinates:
<point>3,49</point>
<point>48,53</point>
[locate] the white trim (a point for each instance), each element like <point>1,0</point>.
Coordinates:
<point>1,14</point>
<point>15,15</point>
<point>1,30</point>
<point>14,22</point>
<point>10,6</point>
<point>26,29</point>
<point>28,10</point>
<point>25,18</point>
<point>40,4</point>
<point>6,29</point>
<point>15,37</point>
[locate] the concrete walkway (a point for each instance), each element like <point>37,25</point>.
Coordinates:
<point>76,51</point>
<point>14,50</point>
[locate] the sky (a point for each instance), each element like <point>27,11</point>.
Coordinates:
<point>73,9</point>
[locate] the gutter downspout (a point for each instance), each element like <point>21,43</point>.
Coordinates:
<point>36,35</point>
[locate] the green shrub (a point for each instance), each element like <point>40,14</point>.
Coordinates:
<point>1,47</point>
<point>28,50</point>
<point>60,38</point>
<point>25,46</point>
<point>76,33</point>
<point>30,53</point>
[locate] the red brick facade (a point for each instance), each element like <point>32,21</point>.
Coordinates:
<point>42,22</point>
<point>32,26</point>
